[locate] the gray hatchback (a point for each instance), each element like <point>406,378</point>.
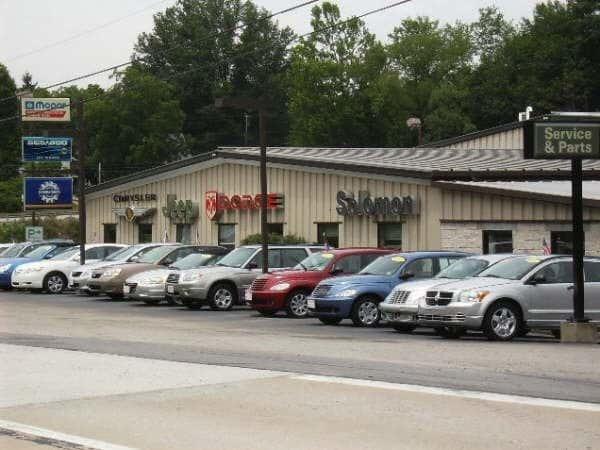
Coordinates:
<point>511,296</point>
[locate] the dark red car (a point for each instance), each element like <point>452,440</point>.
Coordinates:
<point>287,290</point>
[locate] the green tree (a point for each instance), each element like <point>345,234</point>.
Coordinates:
<point>210,48</point>
<point>10,188</point>
<point>137,122</point>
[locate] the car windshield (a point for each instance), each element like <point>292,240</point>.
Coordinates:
<point>121,254</point>
<point>195,260</point>
<point>512,268</point>
<point>316,261</point>
<point>463,268</point>
<point>40,251</point>
<point>156,254</point>
<point>237,257</point>
<point>384,265</point>
<point>65,255</point>
<point>13,251</point>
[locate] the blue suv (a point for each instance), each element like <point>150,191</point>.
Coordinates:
<point>357,297</point>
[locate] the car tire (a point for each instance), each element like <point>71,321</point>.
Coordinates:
<point>296,305</point>
<point>267,312</point>
<point>330,320</point>
<point>171,302</point>
<point>365,312</point>
<point>55,283</point>
<point>115,296</point>
<point>221,297</point>
<point>502,322</point>
<point>450,332</point>
<point>403,328</point>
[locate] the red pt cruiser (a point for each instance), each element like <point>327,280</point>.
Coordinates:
<point>287,290</point>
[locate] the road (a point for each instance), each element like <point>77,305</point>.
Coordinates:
<point>121,373</point>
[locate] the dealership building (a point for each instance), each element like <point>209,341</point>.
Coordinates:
<point>474,193</point>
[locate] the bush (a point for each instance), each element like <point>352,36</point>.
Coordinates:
<point>274,239</point>
<point>53,229</point>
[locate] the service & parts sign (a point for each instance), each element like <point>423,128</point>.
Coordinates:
<point>562,140</point>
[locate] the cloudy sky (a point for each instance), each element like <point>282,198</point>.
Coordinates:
<point>60,39</point>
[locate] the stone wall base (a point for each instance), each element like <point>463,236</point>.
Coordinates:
<point>579,332</point>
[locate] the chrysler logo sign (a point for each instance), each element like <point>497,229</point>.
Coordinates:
<point>366,205</point>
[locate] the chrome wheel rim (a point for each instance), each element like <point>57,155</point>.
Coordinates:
<point>55,284</point>
<point>223,298</point>
<point>368,313</point>
<point>504,322</point>
<point>298,304</point>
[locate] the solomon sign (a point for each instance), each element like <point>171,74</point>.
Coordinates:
<point>377,206</point>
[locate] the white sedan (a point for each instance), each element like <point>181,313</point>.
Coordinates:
<point>51,275</point>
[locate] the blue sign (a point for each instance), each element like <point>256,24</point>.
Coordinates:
<point>48,192</point>
<point>41,148</point>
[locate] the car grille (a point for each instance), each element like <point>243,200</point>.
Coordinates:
<point>76,274</point>
<point>258,284</point>
<point>439,298</point>
<point>96,274</point>
<point>321,290</point>
<point>173,278</point>
<point>399,297</point>
<point>441,318</point>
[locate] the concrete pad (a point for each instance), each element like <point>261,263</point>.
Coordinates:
<point>39,375</point>
<point>579,332</point>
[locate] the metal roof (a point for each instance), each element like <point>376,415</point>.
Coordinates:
<point>474,135</point>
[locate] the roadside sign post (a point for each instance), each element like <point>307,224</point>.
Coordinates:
<point>576,138</point>
<point>34,234</point>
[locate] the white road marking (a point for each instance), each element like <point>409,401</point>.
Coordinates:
<point>56,436</point>
<point>487,396</point>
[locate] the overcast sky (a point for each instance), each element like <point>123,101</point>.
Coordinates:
<point>99,34</point>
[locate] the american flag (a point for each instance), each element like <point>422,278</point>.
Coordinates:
<point>546,247</point>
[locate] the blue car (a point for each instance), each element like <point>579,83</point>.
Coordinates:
<point>24,253</point>
<point>357,297</point>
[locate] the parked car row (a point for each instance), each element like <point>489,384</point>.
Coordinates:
<point>503,295</point>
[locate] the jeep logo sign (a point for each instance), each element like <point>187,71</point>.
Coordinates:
<point>375,206</point>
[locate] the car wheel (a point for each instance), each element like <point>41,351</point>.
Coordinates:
<point>502,322</point>
<point>115,296</point>
<point>221,297</point>
<point>403,328</point>
<point>330,320</point>
<point>296,305</point>
<point>55,283</point>
<point>171,301</point>
<point>267,312</point>
<point>555,333</point>
<point>450,332</point>
<point>365,313</point>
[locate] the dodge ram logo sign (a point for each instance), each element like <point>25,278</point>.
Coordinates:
<point>211,201</point>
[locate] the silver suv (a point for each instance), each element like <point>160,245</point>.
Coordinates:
<point>223,285</point>
<point>511,296</point>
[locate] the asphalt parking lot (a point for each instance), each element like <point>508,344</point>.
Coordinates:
<point>91,351</point>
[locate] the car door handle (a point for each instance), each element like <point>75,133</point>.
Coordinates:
<point>570,288</point>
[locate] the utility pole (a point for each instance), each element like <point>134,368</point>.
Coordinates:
<point>260,106</point>
<point>82,149</point>
<point>246,125</point>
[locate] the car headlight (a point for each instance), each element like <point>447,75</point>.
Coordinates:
<point>156,279</point>
<point>346,293</point>
<point>5,268</point>
<point>280,287</point>
<point>32,269</point>
<point>472,296</point>
<point>110,273</point>
<point>191,276</point>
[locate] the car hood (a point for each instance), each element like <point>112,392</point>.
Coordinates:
<point>359,279</point>
<point>296,274</point>
<point>4,261</point>
<point>95,265</point>
<point>475,283</point>
<point>152,272</point>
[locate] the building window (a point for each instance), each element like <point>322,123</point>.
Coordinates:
<point>110,233</point>
<point>329,233</point>
<point>389,235</point>
<point>144,233</point>
<point>275,228</point>
<point>227,235</point>
<point>561,242</point>
<point>183,233</point>
<point>497,241</point>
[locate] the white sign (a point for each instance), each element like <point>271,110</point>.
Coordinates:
<point>45,109</point>
<point>34,234</point>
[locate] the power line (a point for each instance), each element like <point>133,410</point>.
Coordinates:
<point>167,51</point>
<point>83,33</point>
<point>252,52</point>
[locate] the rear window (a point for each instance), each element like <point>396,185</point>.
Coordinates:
<point>386,265</point>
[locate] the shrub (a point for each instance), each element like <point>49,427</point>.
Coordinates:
<point>273,239</point>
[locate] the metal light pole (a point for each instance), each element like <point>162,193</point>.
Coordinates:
<point>257,105</point>
<point>81,181</point>
<point>415,122</point>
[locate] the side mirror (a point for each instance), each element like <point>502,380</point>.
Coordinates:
<point>167,262</point>
<point>537,279</point>
<point>134,258</point>
<point>47,256</point>
<point>252,265</point>
<point>407,275</point>
<point>336,271</point>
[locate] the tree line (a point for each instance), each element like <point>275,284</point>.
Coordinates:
<point>340,86</point>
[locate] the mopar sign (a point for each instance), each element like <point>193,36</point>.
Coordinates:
<point>48,192</point>
<point>37,149</point>
<point>45,109</point>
